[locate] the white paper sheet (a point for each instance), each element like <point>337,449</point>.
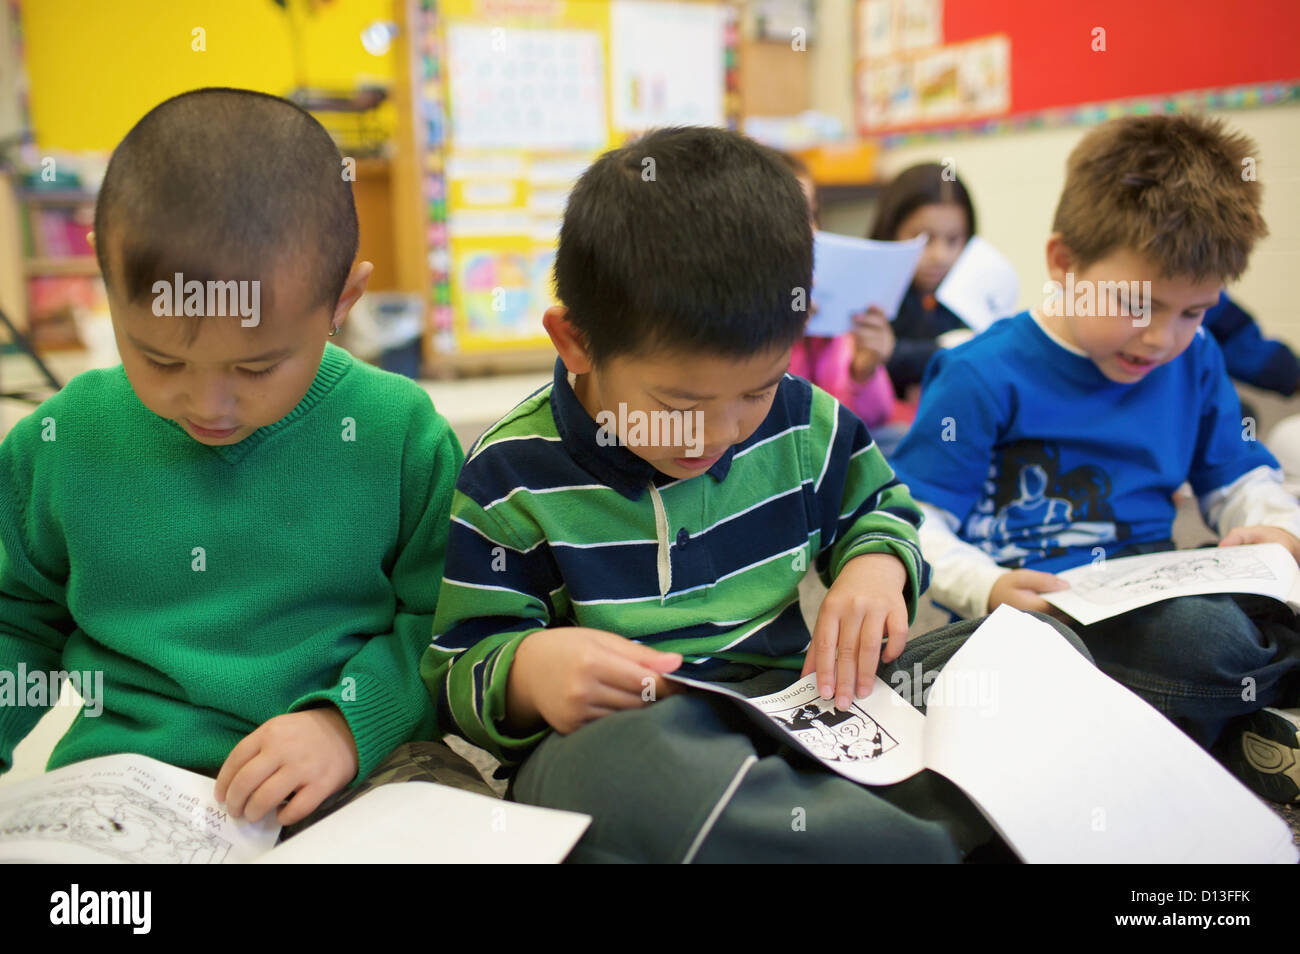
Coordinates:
<point>1112,587</point>
<point>981,286</point>
<point>523,88</point>
<point>851,274</point>
<point>877,741</point>
<point>425,823</point>
<point>124,809</point>
<point>666,64</point>
<point>1072,767</point>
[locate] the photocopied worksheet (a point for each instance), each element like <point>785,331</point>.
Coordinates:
<point>851,274</point>
<point>1111,587</point>
<point>128,809</point>
<point>878,740</point>
<point>136,810</point>
<point>1067,764</point>
<point>981,286</point>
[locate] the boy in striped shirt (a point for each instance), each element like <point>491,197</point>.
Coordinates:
<point>654,509</point>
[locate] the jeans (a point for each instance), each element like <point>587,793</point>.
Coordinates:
<point>1203,660</point>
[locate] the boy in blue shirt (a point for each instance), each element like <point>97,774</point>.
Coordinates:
<point>1060,435</point>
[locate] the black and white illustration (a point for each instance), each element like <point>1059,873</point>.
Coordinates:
<point>1114,582</point>
<point>1111,587</point>
<point>116,820</point>
<point>835,735</point>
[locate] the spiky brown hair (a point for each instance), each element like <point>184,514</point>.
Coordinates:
<point>1174,189</point>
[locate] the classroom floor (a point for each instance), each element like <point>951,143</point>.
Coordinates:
<point>471,406</point>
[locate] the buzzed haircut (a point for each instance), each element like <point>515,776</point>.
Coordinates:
<point>225,184</point>
<point>689,240</point>
<point>1178,190</point>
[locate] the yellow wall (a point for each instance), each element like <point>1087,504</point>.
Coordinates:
<point>97,66</point>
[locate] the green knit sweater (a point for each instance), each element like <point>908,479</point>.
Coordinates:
<point>217,587</point>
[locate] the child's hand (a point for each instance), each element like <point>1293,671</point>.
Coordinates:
<point>865,602</point>
<point>1020,588</point>
<point>873,342</point>
<point>1263,535</point>
<point>571,675</point>
<point>309,754</point>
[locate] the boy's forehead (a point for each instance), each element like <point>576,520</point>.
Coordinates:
<point>1126,264</point>
<point>282,322</point>
<point>695,374</point>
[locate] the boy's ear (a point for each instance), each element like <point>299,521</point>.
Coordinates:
<point>353,289</point>
<point>1059,257</point>
<point>567,339</point>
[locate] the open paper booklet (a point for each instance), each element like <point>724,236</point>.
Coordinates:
<point>851,274</point>
<point>981,286</point>
<point>1111,587</point>
<point>131,808</point>
<point>1067,764</point>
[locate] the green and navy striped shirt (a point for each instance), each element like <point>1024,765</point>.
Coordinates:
<point>550,528</point>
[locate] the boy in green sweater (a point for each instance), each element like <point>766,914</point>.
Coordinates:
<point>240,527</point>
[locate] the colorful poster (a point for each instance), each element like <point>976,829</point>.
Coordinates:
<point>667,64</point>
<point>526,89</point>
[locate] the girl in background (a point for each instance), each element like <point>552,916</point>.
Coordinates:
<point>924,198</point>
<point>851,367</point>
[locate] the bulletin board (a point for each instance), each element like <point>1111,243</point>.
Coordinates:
<point>926,64</point>
<point>518,98</point>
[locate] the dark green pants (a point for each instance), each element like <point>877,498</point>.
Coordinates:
<point>690,778</point>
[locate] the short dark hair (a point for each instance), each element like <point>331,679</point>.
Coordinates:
<point>219,183</point>
<point>928,183</point>
<point>689,239</point>
<point>1170,188</point>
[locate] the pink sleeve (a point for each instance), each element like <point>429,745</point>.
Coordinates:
<point>873,400</point>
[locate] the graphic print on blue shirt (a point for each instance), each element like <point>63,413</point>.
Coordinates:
<point>1042,459</point>
<point>1030,510</point>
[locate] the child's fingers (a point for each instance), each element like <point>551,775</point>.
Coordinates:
<point>641,654</point>
<point>846,664</point>
<point>267,796</point>
<point>239,756</point>
<point>1029,600</point>
<point>896,627</point>
<point>1235,538</point>
<point>666,687</point>
<point>1036,581</point>
<point>868,655</point>
<point>622,672</point>
<point>247,781</point>
<point>306,800</point>
<point>616,698</point>
<point>822,651</point>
